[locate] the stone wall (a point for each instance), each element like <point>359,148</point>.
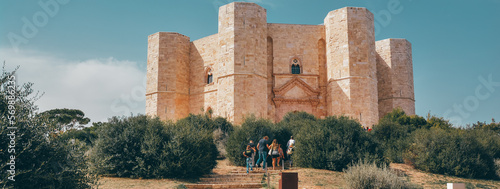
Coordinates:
<point>351,64</point>
<point>395,76</point>
<point>203,55</point>
<point>167,90</point>
<point>297,42</point>
<point>342,70</point>
<point>243,55</point>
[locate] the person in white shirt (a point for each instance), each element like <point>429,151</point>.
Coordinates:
<point>289,149</point>
<point>291,142</point>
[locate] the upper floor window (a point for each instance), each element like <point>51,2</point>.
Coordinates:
<point>295,66</point>
<point>209,78</point>
<point>295,69</point>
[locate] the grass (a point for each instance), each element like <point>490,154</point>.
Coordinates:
<point>113,182</point>
<point>308,178</point>
<point>368,175</point>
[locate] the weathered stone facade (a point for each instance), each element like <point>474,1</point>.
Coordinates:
<point>254,67</point>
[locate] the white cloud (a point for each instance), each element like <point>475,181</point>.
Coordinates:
<point>101,88</point>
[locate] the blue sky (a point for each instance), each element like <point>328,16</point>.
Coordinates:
<point>91,55</point>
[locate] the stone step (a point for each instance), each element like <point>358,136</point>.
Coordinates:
<point>230,179</point>
<point>229,182</point>
<point>255,171</point>
<point>234,175</point>
<point>218,186</point>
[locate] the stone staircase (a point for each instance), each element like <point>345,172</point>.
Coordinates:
<point>237,178</point>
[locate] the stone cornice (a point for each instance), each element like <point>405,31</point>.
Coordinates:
<point>295,75</point>
<point>147,94</point>
<point>407,98</point>
<point>296,82</point>
<point>351,77</point>
<point>313,101</point>
<point>234,74</point>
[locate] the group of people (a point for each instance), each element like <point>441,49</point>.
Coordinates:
<point>264,150</point>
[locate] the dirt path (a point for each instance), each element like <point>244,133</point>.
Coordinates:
<point>429,180</point>
<point>308,178</point>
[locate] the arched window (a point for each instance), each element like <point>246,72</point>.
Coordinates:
<point>295,66</point>
<point>295,69</point>
<point>209,78</point>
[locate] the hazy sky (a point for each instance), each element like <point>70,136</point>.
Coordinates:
<point>91,55</point>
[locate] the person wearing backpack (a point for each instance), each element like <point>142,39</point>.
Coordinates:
<point>248,154</point>
<point>252,145</point>
<point>274,152</point>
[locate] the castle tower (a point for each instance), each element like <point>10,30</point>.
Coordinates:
<point>167,89</point>
<point>395,76</point>
<point>351,64</point>
<point>242,85</point>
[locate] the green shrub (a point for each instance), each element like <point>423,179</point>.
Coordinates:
<point>393,130</point>
<point>438,122</point>
<point>204,121</point>
<point>42,160</point>
<point>192,152</point>
<point>296,118</point>
<point>497,167</point>
<point>411,122</point>
<point>220,128</point>
<point>392,138</point>
<point>450,152</point>
<point>493,126</point>
<point>291,124</point>
<point>489,140</point>
<point>87,134</point>
<point>367,175</point>
<point>251,129</point>
<point>142,146</point>
<point>333,143</point>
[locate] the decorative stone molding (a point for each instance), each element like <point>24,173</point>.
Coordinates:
<point>311,94</point>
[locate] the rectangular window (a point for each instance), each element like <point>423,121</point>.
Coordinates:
<point>295,69</point>
<point>209,79</point>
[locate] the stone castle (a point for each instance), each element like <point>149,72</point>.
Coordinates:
<point>265,69</point>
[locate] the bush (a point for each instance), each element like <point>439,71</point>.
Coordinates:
<point>392,138</point>
<point>219,127</point>
<point>438,122</point>
<point>393,130</point>
<point>493,126</point>
<point>291,124</point>
<point>411,123</point>
<point>255,129</point>
<point>451,152</point>
<point>41,159</point>
<point>497,167</point>
<point>142,146</point>
<point>333,143</point>
<point>87,134</point>
<point>251,129</point>
<point>368,175</point>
